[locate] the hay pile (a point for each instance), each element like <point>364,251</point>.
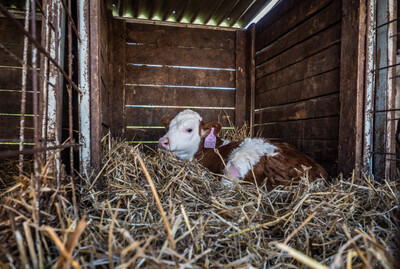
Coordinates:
<point>192,221</point>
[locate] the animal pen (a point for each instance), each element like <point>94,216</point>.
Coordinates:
<point>320,75</point>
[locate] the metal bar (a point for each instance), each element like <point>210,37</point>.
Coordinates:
<point>69,89</point>
<point>36,166</point>
<point>383,153</point>
<point>386,23</point>
<point>46,37</point>
<point>10,153</point>
<point>383,110</point>
<point>23,91</point>
<point>38,46</point>
<point>71,20</point>
<point>385,67</point>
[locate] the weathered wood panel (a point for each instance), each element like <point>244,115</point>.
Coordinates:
<point>167,69</point>
<point>151,117</point>
<point>317,129</point>
<point>117,95</point>
<point>10,128</point>
<point>179,76</point>
<point>11,34</point>
<point>10,86</point>
<point>10,102</point>
<point>327,17</point>
<point>16,49</point>
<point>309,109</point>
<point>319,85</point>
<point>295,16</point>
<point>180,56</point>
<point>11,79</point>
<point>178,37</point>
<point>301,51</point>
<point>352,86</point>
<point>240,98</point>
<point>298,77</point>
<point>179,97</point>
<point>324,61</point>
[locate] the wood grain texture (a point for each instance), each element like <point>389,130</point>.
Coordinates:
<point>180,56</point>
<point>178,76</point>
<point>179,97</point>
<point>327,17</point>
<point>324,61</point>
<point>10,127</point>
<point>240,98</point>
<point>162,36</point>
<point>295,16</point>
<point>151,117</point>
<point>313,108</point>
<point>299,52</point>
<point>10,102</point>
<point>351,86</point>
<point>117,95</point>
<point>317,129</point>
<point>11,79</point>
<point>319,85</point>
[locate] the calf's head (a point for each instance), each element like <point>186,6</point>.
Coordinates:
<point>185,133</point>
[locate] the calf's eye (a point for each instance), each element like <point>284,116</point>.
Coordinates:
<point>189,130</point>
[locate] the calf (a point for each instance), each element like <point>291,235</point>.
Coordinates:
<point>273,163</point>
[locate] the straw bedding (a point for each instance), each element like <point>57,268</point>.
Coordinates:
<point>189,220</point>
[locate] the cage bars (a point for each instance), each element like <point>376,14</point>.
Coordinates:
<point>380,94</point>
<point>47,97</point>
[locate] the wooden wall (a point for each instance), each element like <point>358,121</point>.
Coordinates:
<point>161,70</point>
<point>10,88</point>
<point>297,77</point>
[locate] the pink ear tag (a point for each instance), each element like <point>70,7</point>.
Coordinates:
<point>211,140</point>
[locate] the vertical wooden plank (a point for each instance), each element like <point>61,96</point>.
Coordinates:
<point>240,98</point>
<point>95,96</point>
<point>391,88</point>
<point>252,75</point>
<point>117,95</point>
<point>351,85</point>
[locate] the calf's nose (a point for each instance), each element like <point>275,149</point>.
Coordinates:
<point>163,143</point>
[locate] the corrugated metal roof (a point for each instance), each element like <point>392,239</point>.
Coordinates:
<point>222,13</point>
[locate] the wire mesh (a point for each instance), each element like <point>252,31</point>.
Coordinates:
<point>47,119</point>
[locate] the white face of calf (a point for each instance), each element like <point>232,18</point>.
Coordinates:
<point>183,136</point>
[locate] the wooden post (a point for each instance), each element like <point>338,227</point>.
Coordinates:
<point>118,60</point>
<point>240,98</point>
<point>95,93</point>
<point>352,85</point>
<point>252,75</point>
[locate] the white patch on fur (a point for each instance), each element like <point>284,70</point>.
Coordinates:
<point>249,154</point>
<point>225,142</point>
<point>181,142</point>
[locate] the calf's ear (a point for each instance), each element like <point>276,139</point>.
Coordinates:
<point>165,120</point>
<point>206,128</point>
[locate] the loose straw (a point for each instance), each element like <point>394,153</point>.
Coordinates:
<point>158,202</point>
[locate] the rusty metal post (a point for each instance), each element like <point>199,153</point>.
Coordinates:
<point>84,85</point>
<point>390,166</point>
<point>369,88</point>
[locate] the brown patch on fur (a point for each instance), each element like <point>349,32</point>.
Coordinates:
<point>272,170</point>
